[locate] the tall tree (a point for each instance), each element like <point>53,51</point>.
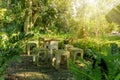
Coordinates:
<point>91,16</point>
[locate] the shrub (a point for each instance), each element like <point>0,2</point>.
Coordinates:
<point>102,49</point>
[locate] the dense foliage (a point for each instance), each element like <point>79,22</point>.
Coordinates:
<point>82,20</point>
<point>107,50</point>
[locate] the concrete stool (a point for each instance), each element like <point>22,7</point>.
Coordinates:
<point>75,53</point>
<point>61,59</point>
<point>41,55</point>
<point>51,44</point>
<point>67,46</point>
<point>30,47</point>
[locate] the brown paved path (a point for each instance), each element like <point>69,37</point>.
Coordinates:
<point>26,70</point>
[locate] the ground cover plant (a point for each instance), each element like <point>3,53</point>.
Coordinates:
<point>92,26</point>
<point>106,59</point>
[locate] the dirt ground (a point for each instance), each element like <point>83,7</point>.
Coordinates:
<point>27,70</point>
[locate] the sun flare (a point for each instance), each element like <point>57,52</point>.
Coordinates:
<point>93,2</point>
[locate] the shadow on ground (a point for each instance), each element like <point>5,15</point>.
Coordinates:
<point>27,70</point>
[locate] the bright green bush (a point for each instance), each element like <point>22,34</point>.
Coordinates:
<point>102,49</point>
<point>10,49</point>
<point>7,52</point>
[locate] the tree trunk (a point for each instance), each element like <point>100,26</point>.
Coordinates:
<point>28,18</point>
<point>35,16</point>
<point>31,14</point>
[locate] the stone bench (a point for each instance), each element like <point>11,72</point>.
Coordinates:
<point>60,59</point>
<point>75,53</point>
<point>30,45</point>
<point>67,46</point>
<point>41,55</point>
<point>51,44</point>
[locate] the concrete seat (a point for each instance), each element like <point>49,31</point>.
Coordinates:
<point>75,53</point>
<point>67,46</point>
<point>41,55</point>
<point>61,59</point>
<point>30,45</point>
